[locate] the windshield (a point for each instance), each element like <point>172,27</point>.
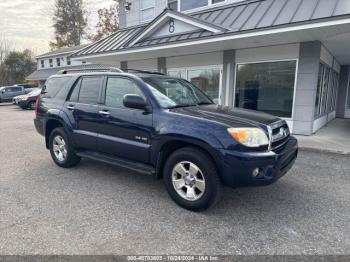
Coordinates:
<point>173,92</point>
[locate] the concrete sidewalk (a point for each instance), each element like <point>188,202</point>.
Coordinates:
<point>333,138</point>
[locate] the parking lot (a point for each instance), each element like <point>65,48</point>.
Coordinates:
<point>100,209</point>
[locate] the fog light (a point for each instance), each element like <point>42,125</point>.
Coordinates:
<point>256,172</point>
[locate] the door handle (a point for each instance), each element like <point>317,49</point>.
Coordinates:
<point>70,107</point>
<point>104,113</point>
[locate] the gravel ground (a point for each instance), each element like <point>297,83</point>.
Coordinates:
<point>100,209</point>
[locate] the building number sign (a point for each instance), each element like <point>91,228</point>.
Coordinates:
<point>171,26</point>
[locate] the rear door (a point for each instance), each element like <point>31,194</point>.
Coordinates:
<point>123,132</point>
<point>83,106</point>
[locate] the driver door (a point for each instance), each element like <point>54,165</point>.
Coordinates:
<point>123,132</point>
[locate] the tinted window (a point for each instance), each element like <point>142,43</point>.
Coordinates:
<point>54,85</point>
<point>75,92</point>
<point>117,88</point>
<point>89,90</point>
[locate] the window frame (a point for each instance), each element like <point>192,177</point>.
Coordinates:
<point>142,9</point>
<point>210,4</point>
<point>58,61</point>
<point>206,67</point>
<point>51,62</point>
<point>42,62</point>
<point>104,91</point>
<point>81,79</point>
<point>233,95</point>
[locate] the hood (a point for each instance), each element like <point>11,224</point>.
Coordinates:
<point>234,117</point>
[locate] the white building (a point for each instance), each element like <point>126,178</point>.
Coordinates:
<point>50,63</point>
<point>285,57</point>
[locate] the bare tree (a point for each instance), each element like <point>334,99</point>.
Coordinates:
<point>5,48</point>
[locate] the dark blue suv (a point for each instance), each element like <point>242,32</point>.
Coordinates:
<point>162,126</point>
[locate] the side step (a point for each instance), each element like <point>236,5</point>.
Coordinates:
<point>112,160</point>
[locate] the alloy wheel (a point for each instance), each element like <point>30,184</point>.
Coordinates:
<point>188,181</point>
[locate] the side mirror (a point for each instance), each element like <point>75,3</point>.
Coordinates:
<point>3,91</point>
<point>134,101</point>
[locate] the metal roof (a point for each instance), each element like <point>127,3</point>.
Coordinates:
<point>235,18</point>
<point>44,74</point>
<point>113,42</point>
<point>60,51</point>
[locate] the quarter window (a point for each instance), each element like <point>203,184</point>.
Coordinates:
<point>117,88</point>
<point>266,87</point>
<point>89,90</point>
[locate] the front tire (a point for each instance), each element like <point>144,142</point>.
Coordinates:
<point>31,105</point>
<point>191,179</point>
<point>61,149</point>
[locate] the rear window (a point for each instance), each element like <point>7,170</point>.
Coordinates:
<point>54,85</point>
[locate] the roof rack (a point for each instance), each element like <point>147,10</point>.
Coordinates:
<point>142,71</point>
<point>85,70</point>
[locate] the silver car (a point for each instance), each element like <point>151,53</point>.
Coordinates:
<point>7,93</point>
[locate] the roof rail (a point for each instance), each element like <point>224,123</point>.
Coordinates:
<point>85,70</point>
<point>142,71</point>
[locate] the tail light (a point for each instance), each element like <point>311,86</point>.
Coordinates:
<point>36,105</point>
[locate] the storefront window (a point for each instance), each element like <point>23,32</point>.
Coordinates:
<point>208,80</point>
<point>266,87</point>
<point>178,73</point>
<point>327,89</point>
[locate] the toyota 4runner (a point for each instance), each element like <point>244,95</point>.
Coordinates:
<point>163,126</point>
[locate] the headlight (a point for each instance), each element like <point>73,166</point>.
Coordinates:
<point>250,137</point>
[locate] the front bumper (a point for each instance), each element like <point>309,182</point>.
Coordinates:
<point>238,167</point>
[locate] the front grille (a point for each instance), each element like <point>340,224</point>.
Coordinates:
<point>279,134</point>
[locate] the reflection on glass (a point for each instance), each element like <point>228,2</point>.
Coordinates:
<point>266,87</point>
<point>207,80</point>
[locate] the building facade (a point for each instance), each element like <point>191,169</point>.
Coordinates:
<point>285,57</point>
<point>50,63</point>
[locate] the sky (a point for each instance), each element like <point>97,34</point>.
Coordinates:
<point>28,23</point>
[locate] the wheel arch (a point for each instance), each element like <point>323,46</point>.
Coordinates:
<point>170,146</point>
<point>50,125</point>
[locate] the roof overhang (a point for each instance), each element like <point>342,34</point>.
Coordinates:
<point>169,14</point>
<point>321,30</point>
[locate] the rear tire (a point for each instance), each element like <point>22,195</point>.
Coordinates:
<point>61,149</point>
<point>191,179</point>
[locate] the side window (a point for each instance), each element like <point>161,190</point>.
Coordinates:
<point>54,85</point>
<point>16,89</point>
<point>74,93</point>
<point>117,88</point>
<point>9,89</point>
<point>89,90</point>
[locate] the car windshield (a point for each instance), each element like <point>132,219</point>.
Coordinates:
<point>173,92</point>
